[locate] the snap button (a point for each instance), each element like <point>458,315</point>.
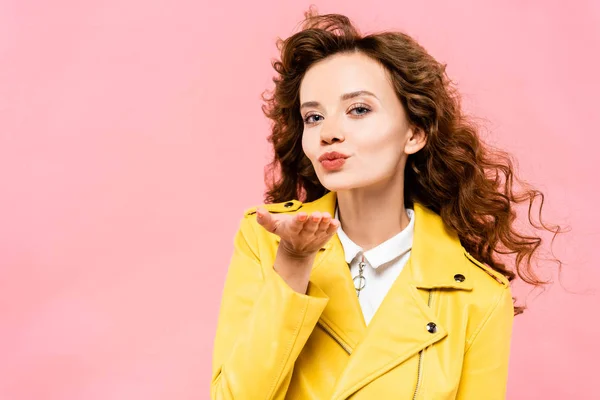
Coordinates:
<point>288,204</point>
<point>431,327</point>
<point>459,278</point>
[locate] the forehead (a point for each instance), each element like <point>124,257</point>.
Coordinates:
<point>344,73</point>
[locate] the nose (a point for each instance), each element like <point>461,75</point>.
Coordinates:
<point>331,132</point>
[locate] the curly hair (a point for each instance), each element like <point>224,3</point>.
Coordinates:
<point>468,183</point>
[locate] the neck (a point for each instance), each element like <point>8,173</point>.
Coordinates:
<point>371,215</point>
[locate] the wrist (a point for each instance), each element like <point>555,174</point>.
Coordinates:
<point>294,269</point>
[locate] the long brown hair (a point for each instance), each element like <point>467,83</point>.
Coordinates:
<point>469,184</point>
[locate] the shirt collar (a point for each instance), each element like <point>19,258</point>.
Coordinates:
<point>386,251</point>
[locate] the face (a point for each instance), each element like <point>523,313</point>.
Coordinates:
<point>349,106</point>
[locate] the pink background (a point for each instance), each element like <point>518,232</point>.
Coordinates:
<point>131,141</point>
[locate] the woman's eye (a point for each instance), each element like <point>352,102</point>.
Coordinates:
<point>310,119</point>
<point>360,110</point>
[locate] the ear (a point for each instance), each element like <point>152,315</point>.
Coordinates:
<point>417,138</point>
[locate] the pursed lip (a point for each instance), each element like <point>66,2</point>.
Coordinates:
<point>332,155</point>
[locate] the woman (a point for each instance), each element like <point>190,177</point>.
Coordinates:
<point>383,282</point>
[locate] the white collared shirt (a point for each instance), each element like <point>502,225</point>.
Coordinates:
<point>384,264</point>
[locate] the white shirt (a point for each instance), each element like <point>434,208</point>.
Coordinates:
<point>384,264</point>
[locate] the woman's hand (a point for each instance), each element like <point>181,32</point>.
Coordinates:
<point>301,235</point>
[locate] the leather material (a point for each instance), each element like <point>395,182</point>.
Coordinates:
<point>442,332</point>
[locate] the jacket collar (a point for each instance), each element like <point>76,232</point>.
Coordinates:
<point>394,247</point>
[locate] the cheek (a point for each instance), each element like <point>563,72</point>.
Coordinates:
<point>381,139</point>
<point>382,151</point>
<point>308,146</point>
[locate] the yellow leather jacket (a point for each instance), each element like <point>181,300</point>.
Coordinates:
<point>442,332</point>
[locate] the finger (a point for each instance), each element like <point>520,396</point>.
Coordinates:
<point>312,224</point>
<point>298,222</point>
<point>333,226</point>
<point>324,224</point>
<point>264,218</point>
<point>301,217</point>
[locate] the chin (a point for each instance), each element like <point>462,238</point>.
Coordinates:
<point>338,183</point>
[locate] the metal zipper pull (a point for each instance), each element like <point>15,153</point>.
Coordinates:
<point>360,280</point>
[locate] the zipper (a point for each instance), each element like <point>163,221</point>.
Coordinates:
<point>420,369</point>
<point>335,337</point>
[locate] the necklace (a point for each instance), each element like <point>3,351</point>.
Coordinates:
<point>359,280</point>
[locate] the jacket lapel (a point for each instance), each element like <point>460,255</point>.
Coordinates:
<point>342,318</point>
<point>397,332</point>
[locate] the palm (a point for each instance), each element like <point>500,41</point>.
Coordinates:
<point>300,234</point>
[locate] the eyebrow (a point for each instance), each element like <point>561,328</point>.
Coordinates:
<point>343,97</point>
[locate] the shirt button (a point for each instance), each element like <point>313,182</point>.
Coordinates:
<point>459,278</point>
<point>288,204</point>
<point>431,327</point>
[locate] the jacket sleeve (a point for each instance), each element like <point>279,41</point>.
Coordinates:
<point>263,325</point>
<point>485,366</point>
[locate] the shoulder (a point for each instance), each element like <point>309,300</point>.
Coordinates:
<point>490,298</point>
<point>491,309</point>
